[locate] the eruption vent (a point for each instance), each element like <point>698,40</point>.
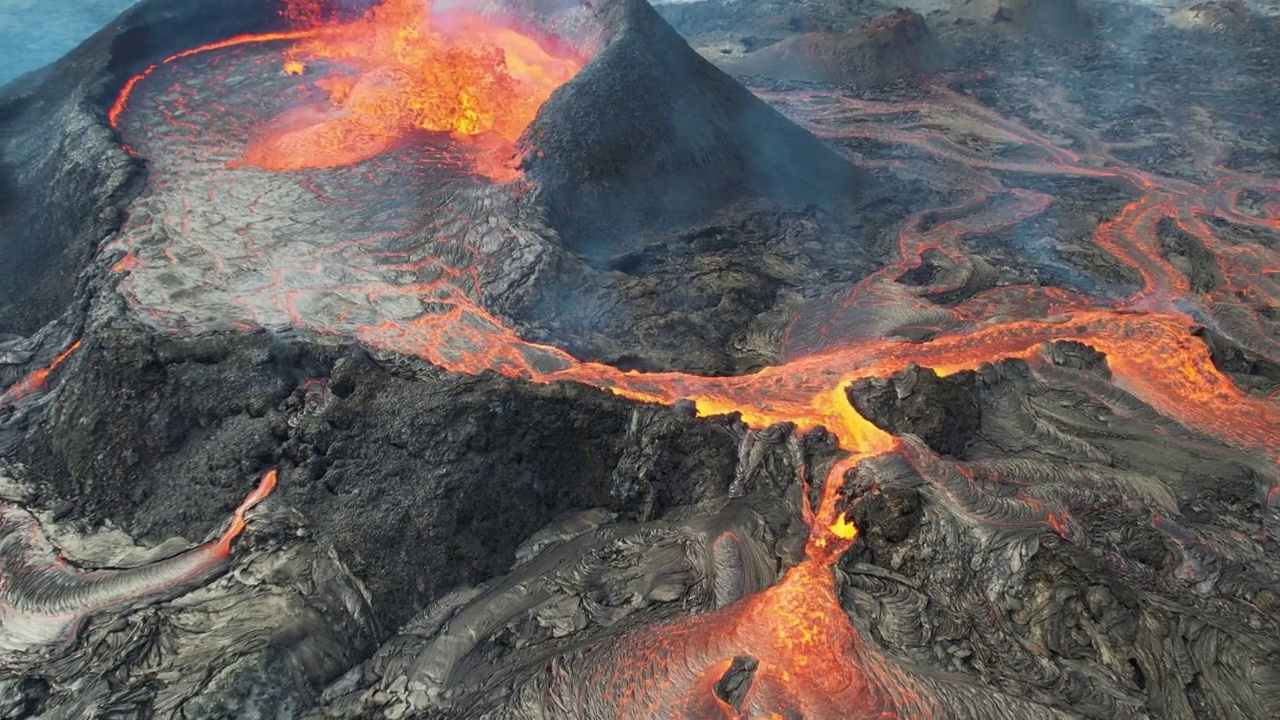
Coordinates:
<point>401,69</point>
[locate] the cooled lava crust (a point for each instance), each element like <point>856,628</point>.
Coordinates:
<point>400,259</point>
<point>957,397</point>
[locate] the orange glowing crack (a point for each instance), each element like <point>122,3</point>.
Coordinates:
<point>797,629</point>
<point>37,380</point>
<point>265,486</point>
<point>45,601</point>
<point>122,98</point>
<point>812,661</point>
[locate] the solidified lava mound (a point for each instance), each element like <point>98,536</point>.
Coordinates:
<point>509,360</point>
<point>896,46</point>
<point>1058,19</point>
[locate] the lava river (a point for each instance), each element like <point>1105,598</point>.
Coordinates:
<point>223,237</point>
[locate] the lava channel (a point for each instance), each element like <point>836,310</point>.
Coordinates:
<point>206,252</point>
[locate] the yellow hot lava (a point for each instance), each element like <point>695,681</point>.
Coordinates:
<point>400,69</point>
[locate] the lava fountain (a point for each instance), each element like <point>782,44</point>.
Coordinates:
<point>401,69</point>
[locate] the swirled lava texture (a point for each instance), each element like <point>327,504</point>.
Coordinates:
<point>207,246</point>
<point>400,70</point>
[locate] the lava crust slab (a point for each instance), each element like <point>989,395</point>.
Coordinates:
<point>999,437</point>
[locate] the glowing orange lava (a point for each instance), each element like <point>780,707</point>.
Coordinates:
<point>260,493</point>
<point>122,98</point>
<point>404,71</point>
<point>401,69</point>
<point>812,663</point>
<point>36,381</point>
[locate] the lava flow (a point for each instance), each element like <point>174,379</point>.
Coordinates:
<point>204,253</point>
<point>44,601</point>
<point>401,69</point>
<point>37,381</point>
<point>811,662</point>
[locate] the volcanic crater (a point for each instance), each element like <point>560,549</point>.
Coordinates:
<point>514,359</point>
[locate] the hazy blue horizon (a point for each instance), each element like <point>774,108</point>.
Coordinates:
<point>34,33</point>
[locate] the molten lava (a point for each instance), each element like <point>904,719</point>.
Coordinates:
<point>401,69</point>
<point>37,380</point>
<point>812,663</point>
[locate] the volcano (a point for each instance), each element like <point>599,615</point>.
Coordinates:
<point>515,359</point>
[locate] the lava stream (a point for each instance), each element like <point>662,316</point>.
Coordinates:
<point>44,601</point>
<point>37,381</point>
<point>811,659</point>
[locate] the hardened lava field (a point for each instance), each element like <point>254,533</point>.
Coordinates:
<point>933,376</point>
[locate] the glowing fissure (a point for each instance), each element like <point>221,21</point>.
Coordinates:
<point>44,601</point>
<point>812,661</point>
<point>122,99</point>
<point>37,381</point>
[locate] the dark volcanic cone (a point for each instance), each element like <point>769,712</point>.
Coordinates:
<point>1060,505</point>
<point>650,136</point>
<point>896,46</point>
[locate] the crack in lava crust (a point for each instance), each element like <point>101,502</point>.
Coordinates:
<point>341,251</point>
<point>337,250</point>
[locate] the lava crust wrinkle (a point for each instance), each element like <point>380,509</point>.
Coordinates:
<point>44,602</point>
<point>649,396</point>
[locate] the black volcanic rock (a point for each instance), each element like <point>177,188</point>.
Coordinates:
<point>1053,18</point>
<point>420,479</point>
<point>941,411</point>
<point>650,136</point>
<point>893,47</point>
<point>64,179</point>
<point>1039,544</point>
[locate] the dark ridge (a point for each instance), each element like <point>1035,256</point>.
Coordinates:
<point>943,412</point>
<point>1249,370</point>
<point>63,177</point>
<point>1189,255</point>
<point>896,46</point>
<point>437,497</point>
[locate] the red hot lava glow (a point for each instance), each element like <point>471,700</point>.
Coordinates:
<point>400,69</point>
<point>404,74</point>
<point>37,380</point>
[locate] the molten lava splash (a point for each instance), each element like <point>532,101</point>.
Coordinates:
<point>400,69</point>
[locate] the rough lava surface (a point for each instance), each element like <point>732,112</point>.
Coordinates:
<point>947,389</point>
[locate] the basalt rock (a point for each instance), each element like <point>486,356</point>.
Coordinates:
<point>1046,19</point>
<point>893,47</point>
<point>1036,540</point>
<point>649,137</point>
